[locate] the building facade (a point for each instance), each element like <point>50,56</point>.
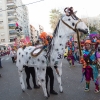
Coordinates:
<point>41,29</point>
<point>34,33</point>
<point>12,12</point>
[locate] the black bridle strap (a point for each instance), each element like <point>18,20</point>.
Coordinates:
<point>68,25</point>
<point>78,38</point>
<point>76,24</point>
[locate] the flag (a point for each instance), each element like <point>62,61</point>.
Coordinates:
<point>17,24</point>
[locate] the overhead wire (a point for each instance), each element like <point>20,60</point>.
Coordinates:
<point>21,5</point>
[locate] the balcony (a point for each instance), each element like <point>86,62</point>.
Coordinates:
<point>11,3</point>
<point>12,21</point>
<point>12,32</point>
<point>8,1</point>
<point>12,26</point>
<point>12,16</point>
<point>11,10</point>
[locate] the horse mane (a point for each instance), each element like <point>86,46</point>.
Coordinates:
<point>49,47</point>
<point>56,29</point>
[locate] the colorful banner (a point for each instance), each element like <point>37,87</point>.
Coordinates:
<point>24,41</point>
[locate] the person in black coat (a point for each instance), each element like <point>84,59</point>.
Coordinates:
<point>49,74</point>
<point>30,71</point>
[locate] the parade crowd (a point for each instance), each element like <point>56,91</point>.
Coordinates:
<point>90,59</point>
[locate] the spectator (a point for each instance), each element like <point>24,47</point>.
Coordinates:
<point>0,63</point>
<point>13,55</point>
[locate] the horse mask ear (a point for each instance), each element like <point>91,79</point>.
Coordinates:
<point>66,9</point>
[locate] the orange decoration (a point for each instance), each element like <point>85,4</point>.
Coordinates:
<point>43,35</point>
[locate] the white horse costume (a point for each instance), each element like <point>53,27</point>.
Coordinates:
<point>40,62</point>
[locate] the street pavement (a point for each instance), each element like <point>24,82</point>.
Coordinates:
<point>73,89</point>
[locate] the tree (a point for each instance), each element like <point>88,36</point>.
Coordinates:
<point>94,29</point>
<point>54,17</point>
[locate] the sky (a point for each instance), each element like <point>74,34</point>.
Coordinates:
<point>39,12</point>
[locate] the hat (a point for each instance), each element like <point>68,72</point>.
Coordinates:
<point>43,35</point>
<point>93,43</point>
<point>98,41</point>
<point>88,42</point>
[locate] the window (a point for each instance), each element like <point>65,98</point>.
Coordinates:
<point>1,27</point>
<point>10,1</point>
<point>2,34</point>
<point>12,39</point>
<point>2,40</point>
<point>1,22</point>
<point>12,26</point>
<point>12,32</point>
<point>10,14</point>
<point>11,20</point>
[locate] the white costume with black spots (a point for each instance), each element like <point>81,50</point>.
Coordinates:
<point>56,53</point>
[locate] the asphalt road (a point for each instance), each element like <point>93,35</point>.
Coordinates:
<point>73,89</point>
